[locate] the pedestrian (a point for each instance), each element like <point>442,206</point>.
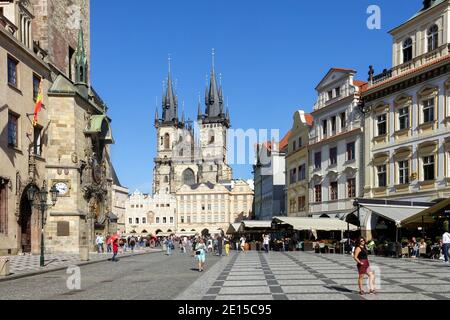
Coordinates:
<point>362,260</point>
<point>132,243</point>
<point>242,240</point>
<point>200,254</point>
<point>227,246</point>
<point>169,246</point>
<point>219,245</point>
<point>115,249</point>
<point>108,243</point>
<point>446,245</point>
<point>210,245</point>
<point>266,240</point>
<point>121,245</point>
<point>237,243</point>
<point>99,241</point>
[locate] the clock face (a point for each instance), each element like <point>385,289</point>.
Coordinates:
<point>62,188</point>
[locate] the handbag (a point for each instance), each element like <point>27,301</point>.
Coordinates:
<point>198,252</point>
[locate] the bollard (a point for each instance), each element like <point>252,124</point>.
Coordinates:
<point>84,253</point>
<point>4,267</point>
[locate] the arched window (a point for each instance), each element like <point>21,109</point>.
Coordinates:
<point>407,50</point>
<point>180,153</point>
<point>166,141</point>
<point>162,140</point>
<point>433,38</point>
<point>166,179</point>
<point>188,177</point>
<point>211,137</point>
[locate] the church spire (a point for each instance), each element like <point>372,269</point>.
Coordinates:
<point>81,63</point>
<point>212,100</point>
<point>170,101</point>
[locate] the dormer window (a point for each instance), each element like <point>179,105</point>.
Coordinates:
<point>433,38</point>
<point>330,94</point>
<point>337,92</point>
<point>407,50</point>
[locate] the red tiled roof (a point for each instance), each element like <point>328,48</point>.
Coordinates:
<point>281,145</point>
<point>309,119</point>
<point>359,83</point>
<point>284,141</point>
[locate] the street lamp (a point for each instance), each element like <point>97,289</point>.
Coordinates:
<point>42,206</point>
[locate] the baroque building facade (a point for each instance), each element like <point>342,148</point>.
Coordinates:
<point>69,146</point>
<point>407,137</point>
<point>335,145</point>
<point>297,166</point>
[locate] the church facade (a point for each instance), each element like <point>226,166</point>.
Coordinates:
<point>194,169</point>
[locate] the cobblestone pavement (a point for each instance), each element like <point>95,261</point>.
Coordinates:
<point>21,265</point>
<point>310,276</point>
<point>152,276</point>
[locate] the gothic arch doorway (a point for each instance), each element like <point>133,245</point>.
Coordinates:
<point>28,225</point>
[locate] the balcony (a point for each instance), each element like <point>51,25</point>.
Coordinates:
<point>8,25</point>
<point>415,63</point>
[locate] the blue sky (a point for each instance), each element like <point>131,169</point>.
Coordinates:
<point>271,53</point>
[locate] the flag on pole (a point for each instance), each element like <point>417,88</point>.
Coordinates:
<point>38,104</point>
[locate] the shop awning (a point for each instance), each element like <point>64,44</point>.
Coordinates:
<point>234,228</point>
<point>252,224</point>
<point>320,224</point>
<point>427,214</point>
<point>398,214</point>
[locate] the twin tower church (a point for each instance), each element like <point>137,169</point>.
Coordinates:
<point>183,159</point>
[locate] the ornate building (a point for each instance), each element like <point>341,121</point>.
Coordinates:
<point>407,116</point>
<point>336,145</point>
<point>69,146</point>
<point>297,165</point>
<point>194,170</point>
<point>181,158</point>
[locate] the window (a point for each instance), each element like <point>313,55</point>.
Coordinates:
<point>12,71</point>
<point>188,219</point>
<point>13,130</point>
<point>302,172</point>
<point>3,207</point>
<point>166,141</point>
<point>137,220</point>
<point>182,219</point>
<point>37,144</point>
<point>203,207</point>
<point>428,110</point>
<point>381,173</point>
<point>36,83</point>
<point>333,125</point>
<point>164,220</point>
<point>333,156</point>
<point>343,120</point>
<point>209,207</point>
<point>157,219</point>
<point>171,219</point>
<point>294,146</point>
<point>293,176</point>
<point>350,151</point>
<point>318,193</point>
<point>301,203</point>
<point>166,179</point>
<point>403,172</point>
<point>337,92</point>
<point>407,50</point>
<point>330,94</point>
<point>317,160</point>
<point>428,168</point>
<point>144,220</point>
<point>300,142</point>
<point>324,127</point>
<point>334,190</point>
<point>351,188</point>
<point>130,220</point>
<point>381,124</point>
<point>433,38</point>
<point>403,118</point>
